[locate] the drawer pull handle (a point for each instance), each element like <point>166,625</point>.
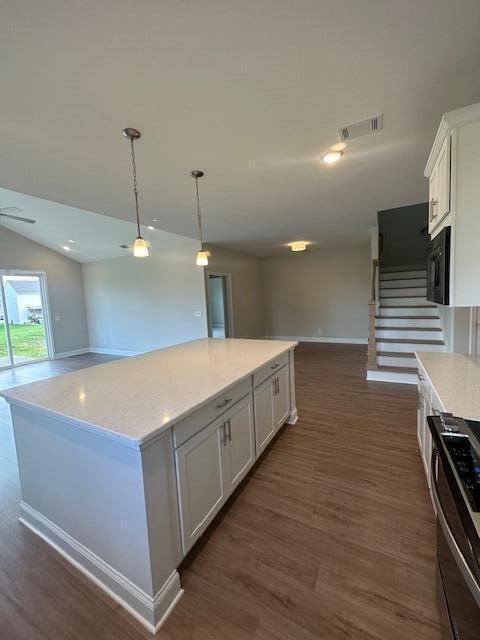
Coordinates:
<point>224,403</point>
<point>274,366</point>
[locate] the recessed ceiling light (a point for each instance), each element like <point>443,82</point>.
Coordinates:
<point>66,247</point>
<point>332,156</point>
<point>338,146</point>
<point>298,246</point>
<point>151,228</point>
<point>155,219</point>
<point>72,241</point>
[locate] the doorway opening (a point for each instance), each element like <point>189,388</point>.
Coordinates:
<point>25,335</point>
<point>219,300</point>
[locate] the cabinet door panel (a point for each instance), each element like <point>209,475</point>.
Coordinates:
<point>264,420</point>
<point>200,481</point>
<point>420,417</point>
<point>281,400</point>
<point>240,450</point>
<point>444,180</point>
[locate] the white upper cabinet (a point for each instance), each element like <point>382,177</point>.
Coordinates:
<point>453,172</point>
<point>439,187</point>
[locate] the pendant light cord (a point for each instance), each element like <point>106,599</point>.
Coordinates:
<point>199,216</point>
<point>135,187</point>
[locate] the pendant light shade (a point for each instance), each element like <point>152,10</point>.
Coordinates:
<point>140,248</point>
<point>202,256</point>
<point>202,259</point>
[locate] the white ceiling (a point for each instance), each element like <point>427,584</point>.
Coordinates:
<point>95,237</point>
<point>251,91</point>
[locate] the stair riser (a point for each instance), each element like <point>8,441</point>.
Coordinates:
<point>404,301</point>
<point>392,361</point>
<point>405,334</point>
<point>402,275</point>
<point>403,292</point>
<point>406,347</point>
<point>430,323</point>
<point>422,311</point>
<point>395,284</point>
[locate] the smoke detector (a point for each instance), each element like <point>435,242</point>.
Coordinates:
<point>361,128</point>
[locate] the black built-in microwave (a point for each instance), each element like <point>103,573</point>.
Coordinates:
<point>438,268</point>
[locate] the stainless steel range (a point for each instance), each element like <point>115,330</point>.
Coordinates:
<point>455,484</point>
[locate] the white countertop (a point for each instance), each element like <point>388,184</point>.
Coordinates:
<point>455,379</point>
<point>135,398</point>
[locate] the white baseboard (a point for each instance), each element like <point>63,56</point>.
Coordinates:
<point>114,352</point>
<point>75,352</point>
<point>293,417</point>
<point>151,612</point>
<point>392,376</point>
<point>320,339</point>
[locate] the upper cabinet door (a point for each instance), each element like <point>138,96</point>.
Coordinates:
<point>240,449</point>
<point>264,420</point>
<point>444,179</point>
<point>281,398</point>
<point>439,186</point>
<point>200,480</point>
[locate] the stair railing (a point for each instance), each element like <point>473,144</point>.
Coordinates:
<point>373,307</point>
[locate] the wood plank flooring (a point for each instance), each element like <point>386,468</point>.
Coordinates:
<point>331,536</point>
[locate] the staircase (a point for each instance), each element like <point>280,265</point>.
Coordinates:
<point>405,322</point>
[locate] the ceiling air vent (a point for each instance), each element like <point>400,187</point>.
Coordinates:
<point>362,128</point>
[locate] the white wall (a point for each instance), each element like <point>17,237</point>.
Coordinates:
<point>64,282</point>
<point>247,293</point>
<point>142,304</point>
<point>319,294</point>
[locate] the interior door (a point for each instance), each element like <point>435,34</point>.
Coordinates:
<point>240,450</point>
<point>281,399</point>
<point>200,476</point>
<point>264,414</point>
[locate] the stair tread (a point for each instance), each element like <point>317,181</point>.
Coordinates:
<point>410,341</point>
<point>406,317</point>
<point>409,306</point>
<point>403,278</point>
<point>408,295</point>
<point>388,368</point>
<point>405,286</point>
<point>400,268</point>
<point>407,328</point>
<point>395,354</point>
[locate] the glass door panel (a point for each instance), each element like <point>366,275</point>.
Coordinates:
<point>24,318</point>
<point>5,360</point>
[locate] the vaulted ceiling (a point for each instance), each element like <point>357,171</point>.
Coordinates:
<point>251,91</point>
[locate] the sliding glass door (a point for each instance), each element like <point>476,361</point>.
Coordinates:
<point>24,328</point>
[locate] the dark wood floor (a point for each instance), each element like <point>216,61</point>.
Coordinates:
<point>331,537</point>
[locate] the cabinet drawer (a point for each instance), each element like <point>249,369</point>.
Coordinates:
<point>200,418</point>
<point>269,369</point>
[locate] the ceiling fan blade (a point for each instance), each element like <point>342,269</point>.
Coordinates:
<point>19,218</point>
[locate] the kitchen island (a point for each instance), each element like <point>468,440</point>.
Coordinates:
<point>124,465</point>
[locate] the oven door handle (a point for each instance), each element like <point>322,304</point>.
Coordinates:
<point>450,538</point>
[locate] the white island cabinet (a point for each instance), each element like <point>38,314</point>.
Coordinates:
<point>124,465</point>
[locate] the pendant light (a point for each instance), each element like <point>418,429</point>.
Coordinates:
<point>140,248</point>
<point>202,256</point>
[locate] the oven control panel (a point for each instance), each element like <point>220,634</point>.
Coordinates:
<point>467,465</point>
